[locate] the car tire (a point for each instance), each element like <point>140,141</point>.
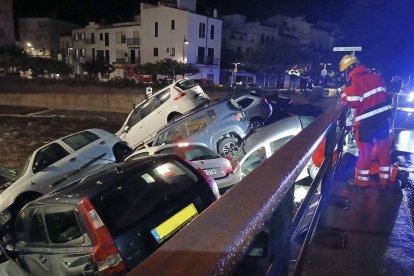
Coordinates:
<point>20,202</point>
<point>121,150</point>
<point>172,117</point>
<point>228,146</point>
<point>256,123</point>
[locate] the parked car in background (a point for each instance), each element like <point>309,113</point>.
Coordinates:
<point>111,221</point>
<point>219,125</point>
<point>210,162</point>
<point>160,108</point>
<point>265,141</point>
<point>48,166</point>
<point>257,108</point>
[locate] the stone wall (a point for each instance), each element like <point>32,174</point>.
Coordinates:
<point>59,96</point>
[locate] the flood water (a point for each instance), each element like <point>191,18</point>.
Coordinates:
<point>22,130</point>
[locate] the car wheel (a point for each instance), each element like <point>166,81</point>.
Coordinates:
<point>173,117</point>
<point>228,147</point>
<point>121,150</point>
<point>21,201</point>
<point>256,123</point>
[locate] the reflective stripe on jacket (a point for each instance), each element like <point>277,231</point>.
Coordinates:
<point>366,93</point>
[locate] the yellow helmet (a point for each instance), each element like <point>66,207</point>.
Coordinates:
<point>347,61</point>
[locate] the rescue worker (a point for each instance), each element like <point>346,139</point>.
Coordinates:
<point>366,93</point>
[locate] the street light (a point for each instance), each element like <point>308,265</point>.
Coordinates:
<point>235,72</point>
<point>324,72</point>
<point>185,42</point>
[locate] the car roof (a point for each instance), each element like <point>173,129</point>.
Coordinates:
<point>264,133</point>
<point>100,181</point>
<point>201,108</point>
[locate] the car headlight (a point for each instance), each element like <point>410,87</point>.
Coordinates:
<point>5,217</point>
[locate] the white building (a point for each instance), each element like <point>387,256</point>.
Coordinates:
<point>161,31</point>
<point>7,36</point>
<point>242,36</point>
<point>41,36</point>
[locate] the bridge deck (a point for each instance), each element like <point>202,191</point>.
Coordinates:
<point>364,232</point>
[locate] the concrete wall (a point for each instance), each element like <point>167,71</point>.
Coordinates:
<point>90,98</point>
<point>100,99</point>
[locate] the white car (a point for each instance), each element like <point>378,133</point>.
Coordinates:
<point>210,162</point>
<point>159,109</point>
<point>265,141</point>
<point>50,165</point>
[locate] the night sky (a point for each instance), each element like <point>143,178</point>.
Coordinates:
<point>110,11</point>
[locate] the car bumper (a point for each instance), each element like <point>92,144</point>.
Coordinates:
<point>227,182</point>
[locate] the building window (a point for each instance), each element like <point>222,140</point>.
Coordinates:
<point>93,54</point>
<point>156,29</point>
<point>173,24</point>
<point>201,54</point>
<point>212,32</point>
<point>155,52</point>
<point>120,38</point>
<point>2,34</point>
<point>202,30</point>
<point>76,36</point>
<point>172,52</point>
<point>106,39</point>
<point>82,36</point>
<point>92,38</point>
<point>83,52</point>
<point>101,36</point>
<point>210,56</point>
<point>107,57</point>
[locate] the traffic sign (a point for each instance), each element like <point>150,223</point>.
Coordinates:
<point>347,49</point>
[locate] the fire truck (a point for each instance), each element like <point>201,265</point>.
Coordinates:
<point>127,71</point>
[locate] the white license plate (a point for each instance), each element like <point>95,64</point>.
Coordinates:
<point>210,171</point>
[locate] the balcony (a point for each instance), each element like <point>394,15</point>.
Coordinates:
<point>133,42</point>
<point>208,60</point>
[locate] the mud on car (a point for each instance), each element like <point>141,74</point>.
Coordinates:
<point>220,125</point>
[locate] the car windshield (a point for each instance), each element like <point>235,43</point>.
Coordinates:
<point>191,152</point>
<point>186,84</point>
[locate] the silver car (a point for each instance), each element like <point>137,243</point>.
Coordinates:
<point>220,126</point>
<point>265,141</point>
<point>50,165</point>
<point>210,162</point>
<point>257,108</point>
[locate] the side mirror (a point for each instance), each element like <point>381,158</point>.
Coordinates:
<point>39,165</point>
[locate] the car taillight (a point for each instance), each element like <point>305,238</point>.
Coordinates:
<point>104,254</point>
<point>211,182</point>
<point>238,116</point>
<point>180,95</point>
<point>229,168</point>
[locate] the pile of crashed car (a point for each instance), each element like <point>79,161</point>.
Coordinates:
<point>96,202</point>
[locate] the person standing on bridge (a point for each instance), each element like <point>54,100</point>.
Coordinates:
<point>366,93</point>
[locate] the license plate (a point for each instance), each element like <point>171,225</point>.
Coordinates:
<point>174,223</point>
<point>210,171</point>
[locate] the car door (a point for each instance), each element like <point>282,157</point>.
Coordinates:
<point>139,132</point>
<point>31,242</point>
<point>49,241</point>
<point>90,148</point>
<point>155,116</point>
<point>51,164</point>
<point>70,247</point>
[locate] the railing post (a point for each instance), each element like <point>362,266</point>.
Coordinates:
<point>281,230</point>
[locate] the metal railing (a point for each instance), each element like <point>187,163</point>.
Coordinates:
<point>133,42</point>
<point>217,241</point>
